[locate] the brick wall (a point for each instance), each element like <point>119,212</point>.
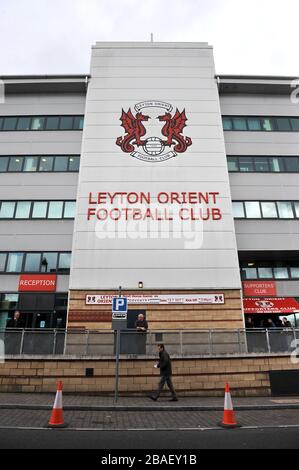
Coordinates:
<point>199,377</point>
<point>228,316</point>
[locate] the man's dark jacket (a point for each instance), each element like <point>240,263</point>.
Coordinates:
<point>165,364</point>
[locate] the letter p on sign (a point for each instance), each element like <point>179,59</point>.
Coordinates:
<point>120,304</point>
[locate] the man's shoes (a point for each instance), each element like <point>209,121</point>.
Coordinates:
<point>153,398</point>
<point>174,399</point>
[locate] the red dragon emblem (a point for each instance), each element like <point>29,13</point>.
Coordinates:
<point>154,148</point>
<point>173,131</point>
<point>134,130</point>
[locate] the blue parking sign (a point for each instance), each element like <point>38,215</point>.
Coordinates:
<point>120,305</point>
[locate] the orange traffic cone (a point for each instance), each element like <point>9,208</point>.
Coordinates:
<point>56,420</point>
<point>229,420</point>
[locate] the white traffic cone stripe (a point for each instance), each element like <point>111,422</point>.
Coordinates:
<point>58,401</point>
<point>228,405</point>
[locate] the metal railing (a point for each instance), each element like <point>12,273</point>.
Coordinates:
<point>92,343</point>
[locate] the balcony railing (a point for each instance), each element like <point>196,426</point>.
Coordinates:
<point>101,343</point>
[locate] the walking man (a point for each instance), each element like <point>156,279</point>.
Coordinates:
<point>164,365</point>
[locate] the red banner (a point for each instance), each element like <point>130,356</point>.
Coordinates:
<point>279,305</point>
<point>259,288</point>
<point>37,282</point>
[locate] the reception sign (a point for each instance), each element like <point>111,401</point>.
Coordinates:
<point>38,283</point>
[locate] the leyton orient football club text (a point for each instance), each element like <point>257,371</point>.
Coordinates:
<point>187,206</point>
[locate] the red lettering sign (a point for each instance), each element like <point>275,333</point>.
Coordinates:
<point>38,282</point>
<point>259,288</point>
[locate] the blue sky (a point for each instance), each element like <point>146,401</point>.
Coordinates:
<point>55,36</point>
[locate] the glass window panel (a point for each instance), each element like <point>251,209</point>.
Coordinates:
<point>267,124</point>
<point>265,273</point>
<point>61,164</point>
<point>232,163</point>
<point>261,164</point>
<point>49,262</point>
<point>14,263</point>
<point>276,164</point>
<point>295,272</point>
<point>246,164</point>
<point>295,124</point>
<point>254,124</point>
<point>240,124</point>
<point>7,210</point>
<point>69,209</point>
<point>227,124</point>
<point>3,164</point>
<point>297,209</point>
<point>23,210</point>
<point>32,263</point>
<point>55,210</point>
<point>238,210</point>
<point>10,123</point>
<point>40,210</point>
<point>24,124</point>
<point>46,164</point>
<point>292,164</point>
<point>1,122</point>
<point>283,124</point>
<point>79,122</point>
<point>269,210</point>
<point>285,210</point>
<point>253,210</point>
<point>15,164</point>
<point>74,163</point>
<point>64,260</point>
<point>9,301</point>
<point>281,273</point>
<point>37,123</point>
<point>52,123</point>
<point>66,122</point>
<point>2,261</point>
<point>31,164</point>
<point>249,273</point>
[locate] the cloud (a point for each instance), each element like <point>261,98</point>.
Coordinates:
<point>55,36</point>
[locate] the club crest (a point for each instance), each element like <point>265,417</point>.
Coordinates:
<point>141,130</point>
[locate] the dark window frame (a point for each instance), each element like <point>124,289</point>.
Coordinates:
<point>267,218</point>
<point>39,157</point>
<point>31,209</point>
<point>280,157</point>
<point>261,118</point>
<point>41,253</point>
<point>45,117</point>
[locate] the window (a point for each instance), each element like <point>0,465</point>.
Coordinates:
<point>64,261</point>
<point>49,262</point>
<point>292,164</point>
<point>249,273</point>
<point>253,210</point>
<point>227,124</point>
<point>10,123</point>
<point>14,263</point>
<point>295,272</point>
<point>254,124</point>
<point>37,123</point>
<point>39,210</point>
<point>52,123</point>
<point>267,125</point>
<point>69,210</point>
<point>240,124</point>
<point>15,164</point>
<point>297,209</point>
<point>46,164</point>
<point>79,122</point>
<point>7,210</point>
<point>281,273</point>
<point>2,261</point>
<point>269,210</point>
<point>265,273</point>
<point>283,124</point>
<point>23,210</point>
<point>66,123</point>
<point>261,164</point>
<point>233,164</point>
<point>32,263</point>
<point>295,124</point>
<point>238,210</point>
<point>285,210</point>
<point>74,164</point>
<point>31,164</point>
<point>276,164</point>
<point>24,124</point>
<point>61,164</point>
<point>246,164</point>
<point>3,164</point>
<point>55,210</point>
